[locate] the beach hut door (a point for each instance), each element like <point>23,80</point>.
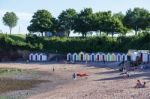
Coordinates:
<point>119,58</point>
<point>103,58</point>
<point>123,58</point>
<point>98,57</point>
<point>31,57</point>
<point>69,57</point>
<point>92,57</point>
<point>141,57</point>
<point>40,57</point>
<point>74,57</point>
<point>81,57</point>
<point>36,57</point>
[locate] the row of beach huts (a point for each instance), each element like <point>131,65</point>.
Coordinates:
<point>132,55</point>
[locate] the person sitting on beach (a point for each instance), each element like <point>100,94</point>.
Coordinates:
<point>82,74</point>
<point>144,85</point>
<point>124,72</point>
<point>139,84</point>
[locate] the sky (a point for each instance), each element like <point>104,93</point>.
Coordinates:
<point>25,9</point>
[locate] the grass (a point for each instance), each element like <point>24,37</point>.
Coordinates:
<point>18,37</point>
<point>7,84</point>
<point>6,97</point>
<point>4,72</point>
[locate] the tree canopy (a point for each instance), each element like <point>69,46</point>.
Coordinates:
<point>66,20</point>
<point>83,22</point>
<point>86,21</point>
<point>42,21</point>
<point>10,19</point>
<point>137,19</point>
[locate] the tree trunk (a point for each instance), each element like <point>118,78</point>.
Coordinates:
<point>107,33</point>
<point>136,32</point>
<point>82,35</point>
<point>68,33</point>
<point>42,34</point>
<point>112,34</point>
<point>85,35</point>
<point>10,30</point>
<point>100,33</point>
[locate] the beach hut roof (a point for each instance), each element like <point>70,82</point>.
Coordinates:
<point>87,53</point>
<point>98,53</point>
<point>101,52</point>
<point>143,51</point>
<point>74,53</point>
<point>81,52</point>
<point>68,53</point>
<point>92,54</point>
<point>131,51</point>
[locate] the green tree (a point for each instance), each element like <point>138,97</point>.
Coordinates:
<point>119,15</point>
<point>10,19</point>
<point>42,21</point>
<point>115,26</point>
<point>105,22</point>
<point>83,22</point>
<point>137,19</point>
<point>100,20</point>
<point>66,20</point>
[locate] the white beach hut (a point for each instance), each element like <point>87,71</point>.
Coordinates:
<point>118,57</point>
<point>87,57</point>
<point>31,55</point>
<point>114,58</point>
<point>35,57</point>
<point>92,57</point>
<point>103,56</point>
<point>81,56</point>
<point>109,57</point>
<point>124,57</point>
<point>98,57</point>
<point>145,57</point>
<point>134,56</point>
<point>42,57</point>
<point>69,57</point>
<point>75,57</point>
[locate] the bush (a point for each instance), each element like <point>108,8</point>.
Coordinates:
<point>65,45</point>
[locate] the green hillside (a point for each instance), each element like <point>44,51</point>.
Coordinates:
<point>65,45</point>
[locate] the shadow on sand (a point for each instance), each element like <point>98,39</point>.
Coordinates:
<point>133,76</point>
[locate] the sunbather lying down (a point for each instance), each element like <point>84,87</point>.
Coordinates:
<point>82,74</point>
<point>140,85</point>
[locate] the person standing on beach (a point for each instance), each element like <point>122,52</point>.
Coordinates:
<point>74,76</point>
<point>53,69</point>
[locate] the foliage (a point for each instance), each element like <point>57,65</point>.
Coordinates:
<point>10,19</point>
<point>83,22</point>
<point>65,45</point>
<point>137,19</point>
<point>42,21</point>
<point>86,21</point>
<point>66,20</point>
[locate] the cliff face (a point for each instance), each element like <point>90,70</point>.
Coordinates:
<point>13,55</point>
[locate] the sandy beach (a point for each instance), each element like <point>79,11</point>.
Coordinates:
<point>104,82</point>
